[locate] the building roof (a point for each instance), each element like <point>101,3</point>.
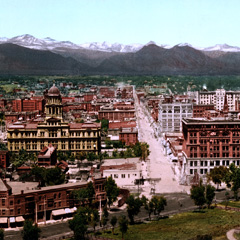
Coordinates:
<point>53,91</point>
<point>46,152</point>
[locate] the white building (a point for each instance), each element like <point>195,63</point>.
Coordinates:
<point>217,98</point>
<point>171,114</point>
<point>125,172</point>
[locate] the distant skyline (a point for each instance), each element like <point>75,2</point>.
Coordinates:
<point>201,23</point>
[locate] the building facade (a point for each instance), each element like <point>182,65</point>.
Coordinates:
<point>171,115</point>
<point>18,204</point>
<point>64,136</point>
<point>217,98</point>
<point>209,143</point>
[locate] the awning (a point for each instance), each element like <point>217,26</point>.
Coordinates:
<point>12,219</point>
<point>3,220</point>
<point>68,210</point>
<point>74,209</point>
<point>58,212</point>
<point>20,219</point>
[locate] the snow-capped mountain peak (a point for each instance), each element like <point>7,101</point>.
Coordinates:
<point>222,47</point>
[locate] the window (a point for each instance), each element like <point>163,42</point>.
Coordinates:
<point>3,212</point>
<point>11,202</point>
<point>3,202</point>
<point>19,210</point>
<point>59,195</point>
<point>115,176</point>
<point>123,175</point>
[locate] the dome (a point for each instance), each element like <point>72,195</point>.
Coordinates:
<point>53,91</point>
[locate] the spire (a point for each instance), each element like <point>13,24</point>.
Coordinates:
<point>225,106</point>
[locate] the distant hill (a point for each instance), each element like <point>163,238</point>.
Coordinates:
<point>20,60</point>
<point>149,60</point>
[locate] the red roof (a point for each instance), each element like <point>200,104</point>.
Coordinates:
<point>117,125</point>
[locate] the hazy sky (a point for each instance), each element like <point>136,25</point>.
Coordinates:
<point>201,23</point>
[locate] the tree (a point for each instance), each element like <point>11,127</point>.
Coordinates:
<point>105,215</point>
<point>84,194</point>
<point>112,190</point>
<point>123,225</point>
<point>113,222</point>
<point>91,156</point>
<point>210,194</point>
<point>79,223</point>
<point>94,218</point>
<point>217,175</point>
<point>198,195</point>
<point>1,234</point>
<point>30,231</point>
<point>105,124</point>
<point>133,207</point>
<point>162,202</point>
<point>54,176</point>
<point>232,179</point>
<point>148,205</point>
<point>145,151</point>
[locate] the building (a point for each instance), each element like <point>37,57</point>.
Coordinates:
<point>199,110</point>
<point>125,172</point>
<point>23,201</point>
<point>53,130</point>
<point>4,159</point>
<point>47,156</point>
<point>28,105</point>
<point>129,136</point>
<point>217,98</point>
<point>116,114</point>
<point>209,143</point>
<point>171,115</point>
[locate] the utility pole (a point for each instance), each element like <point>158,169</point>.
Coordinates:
<point>36,212</point>
<point>100,208</point>
<point>44,210</point>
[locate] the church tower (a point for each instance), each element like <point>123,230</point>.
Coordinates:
<point>53,107</point>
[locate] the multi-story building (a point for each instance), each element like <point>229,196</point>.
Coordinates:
<point>129,135</point>
<point>171,115</point>
<point>53,130</point>
<point>22,201</point>
<point>217,98</point>
<point>209,143</point>
<point>4,159</point>
<point>116,114</point>
<point>28,105</point>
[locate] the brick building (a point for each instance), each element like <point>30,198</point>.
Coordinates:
<point>115,114</point>
<point>129,136</point>
<point>4,159</point>
<point>199,110</point>
<point>209,143</point>
<point>23,201</point>
<point>47,156</point>
<point>28,105</point>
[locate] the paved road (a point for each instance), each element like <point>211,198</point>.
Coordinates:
<point>159,167</point>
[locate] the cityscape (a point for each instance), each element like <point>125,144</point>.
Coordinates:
<point>119,120</point>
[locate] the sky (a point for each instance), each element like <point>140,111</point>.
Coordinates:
<point>201,23</point>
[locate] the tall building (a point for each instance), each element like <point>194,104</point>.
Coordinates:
<point>171,114</point>
<point>64,136</point>
<point>209,143</point>
<point>217,98</point>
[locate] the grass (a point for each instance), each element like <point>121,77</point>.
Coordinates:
<point>235,204</point>
<point>185,226</point>
<point>9,87</point>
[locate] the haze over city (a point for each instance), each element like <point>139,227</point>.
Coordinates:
<point>199,23</point>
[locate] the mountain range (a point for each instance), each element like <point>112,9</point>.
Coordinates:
<point>29,55</point>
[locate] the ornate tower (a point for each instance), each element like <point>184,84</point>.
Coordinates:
<point>53,107</point>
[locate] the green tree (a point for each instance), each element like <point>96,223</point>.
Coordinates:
<point>123,225</point>
<point>112,190</point>
<point>113,222</point>
<point>198,195</point>
<point>84,194</point>
<point>1,234</point>
<point>54,176</point>
<point>105,215</point>
<point>79,223</point>
<point>217,175</point>
<point>232,179</point>
<point>94,218</point>
<point>162,202</point>
<point>210,194</point>
<point>30,231</point>
<point>133,207</point>
<point>91,156</point>
<point>105,124</point>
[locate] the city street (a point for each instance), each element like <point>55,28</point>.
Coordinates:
<point>159,168</point>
